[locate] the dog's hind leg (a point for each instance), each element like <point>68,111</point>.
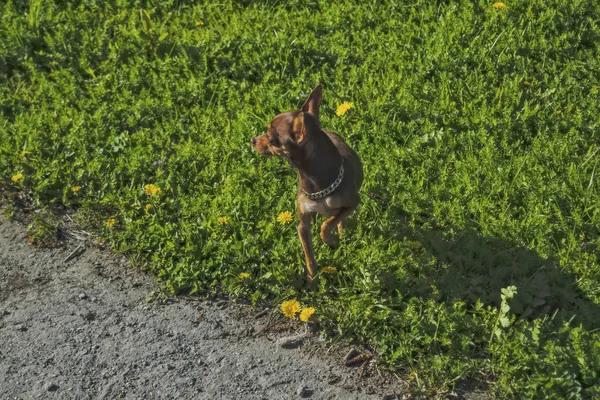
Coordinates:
<point>329,225</point>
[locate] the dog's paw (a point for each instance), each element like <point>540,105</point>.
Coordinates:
<point>328,237</point>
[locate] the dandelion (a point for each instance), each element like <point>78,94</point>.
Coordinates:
<point>526,83</point>
<point>222,220</point>
<point>111,222</point>
<point>285,217</point>
<point>341,110</point>
<point>75,189</point>
<point>290,308</point>
<point>329,270</point>
<point>16,178</point>
<point>499,5</point>
<point>148,207</point>
<point>244,275</point>
<point>306,314</point>
<point>25,153</point>
<point>153,190</point>
<point>199,23</point>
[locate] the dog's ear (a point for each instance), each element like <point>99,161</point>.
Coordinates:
<point>299,128</point>
<point>313,103</point>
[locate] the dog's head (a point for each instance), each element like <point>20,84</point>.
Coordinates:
<point>288,132</point>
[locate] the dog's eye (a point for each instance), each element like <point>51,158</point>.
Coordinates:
<point>273,137</point>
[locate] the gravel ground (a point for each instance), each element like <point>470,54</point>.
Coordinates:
<point>82,329</point>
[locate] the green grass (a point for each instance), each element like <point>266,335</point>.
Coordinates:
<point>478,129</point>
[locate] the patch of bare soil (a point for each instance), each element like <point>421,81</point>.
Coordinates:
<point>75,323</point>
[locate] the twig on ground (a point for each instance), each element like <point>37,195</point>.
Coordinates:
<point>74,253</point>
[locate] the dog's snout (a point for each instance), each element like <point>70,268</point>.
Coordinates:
<point>253,141</point>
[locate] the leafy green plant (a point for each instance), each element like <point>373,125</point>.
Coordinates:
<point>503,320</point>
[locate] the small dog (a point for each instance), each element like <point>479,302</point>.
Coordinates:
<point>329,172</point>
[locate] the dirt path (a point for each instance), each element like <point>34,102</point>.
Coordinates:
<point>82,329</point>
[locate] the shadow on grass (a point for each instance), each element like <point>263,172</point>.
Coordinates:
<point>471,267</point>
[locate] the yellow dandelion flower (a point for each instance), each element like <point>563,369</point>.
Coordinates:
<point>199,23</point>
<point>111,222</point>
<point>148,207</point>
<point>499,5</point>
<point>153,190</point>
<point>329,270</point>
<point>526,83</point>
<point>285,217</point>
<point>341,110</point>
<point>25,153</point>
<point>75,189</point>
<point>222,220</point>
<point>290,308</point>
<point>244,275</point>
<point>16,178</point>
<point>306,314</point>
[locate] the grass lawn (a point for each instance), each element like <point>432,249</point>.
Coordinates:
<point>474,254</point>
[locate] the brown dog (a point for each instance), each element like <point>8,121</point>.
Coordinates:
<point>329,171</point>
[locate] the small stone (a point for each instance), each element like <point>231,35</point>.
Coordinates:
<point>89,316</point>
<point>53,387</point>
<point>222,304</point>
<point>83,296</point>
<point>392,396</point>
<point>291,342</point>
<point>304,392</point>
<point>22,328</point>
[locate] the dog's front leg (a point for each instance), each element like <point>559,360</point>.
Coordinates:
<point>306,239</point>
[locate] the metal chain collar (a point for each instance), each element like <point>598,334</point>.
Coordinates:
<point>331,188</point>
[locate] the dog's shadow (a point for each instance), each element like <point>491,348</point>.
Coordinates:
<point>470,267</point>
